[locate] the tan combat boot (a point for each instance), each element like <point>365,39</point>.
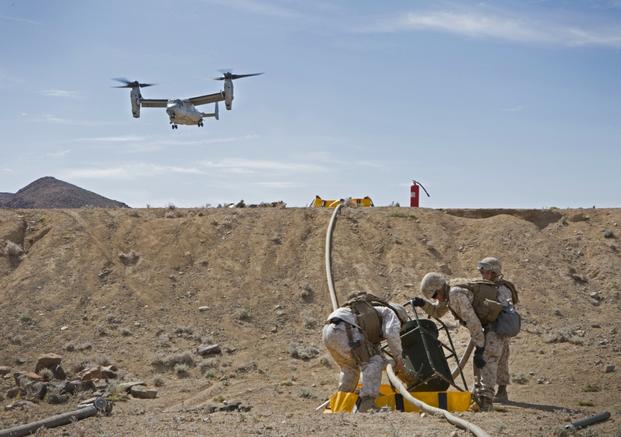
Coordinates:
<point>501,394</point>
<point>367,404</point>
<point>485,404</point>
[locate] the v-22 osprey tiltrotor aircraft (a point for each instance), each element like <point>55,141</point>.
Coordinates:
<point>183,111</point>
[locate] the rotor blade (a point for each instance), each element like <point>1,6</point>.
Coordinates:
<point>122,79</point>
<point>235,76</point>
<point>143,85</point>
<point>239,76</point>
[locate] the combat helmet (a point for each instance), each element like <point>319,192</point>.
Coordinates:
<point>490,264</point>
<point>432,283</point>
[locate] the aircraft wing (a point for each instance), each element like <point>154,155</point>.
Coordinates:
<point>208,98</point>
<point>153,103</point>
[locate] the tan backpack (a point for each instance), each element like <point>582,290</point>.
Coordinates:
<point>361,304</point>
<point>485,303</point>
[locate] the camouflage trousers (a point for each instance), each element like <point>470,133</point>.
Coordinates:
<point>502,375</point>
<point>336,342</point>
<point>487,377</point>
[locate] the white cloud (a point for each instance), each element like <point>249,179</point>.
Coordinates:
<point>130,171</point>
<point>139,144</point>
<point>113,139</point>
<point>280,184</point>
<point>17,19</point>
<point>257,7</point>
<point>6,170</point>
<point>509,26</point>
<point>59,93</point>
<point>51,118</point>
<point>250,166</point>
<point>58,154</point>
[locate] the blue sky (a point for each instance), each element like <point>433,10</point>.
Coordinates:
<point>489,104</point>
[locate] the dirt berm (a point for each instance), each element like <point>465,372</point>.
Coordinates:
<point>143,289</point>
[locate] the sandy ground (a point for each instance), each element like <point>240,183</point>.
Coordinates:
<point>261,274</point>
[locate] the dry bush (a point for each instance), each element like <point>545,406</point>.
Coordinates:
<point>103,360</point>
<point>13,250</point>
<point>303,352</point>
<point>209,364</point>
<point>182,370</point>
<point>168,362</point>
<point>243,314</point>
<point>46,374</point>
<point>184,331</point>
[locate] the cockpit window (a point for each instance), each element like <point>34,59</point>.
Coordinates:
<point>175,102</point>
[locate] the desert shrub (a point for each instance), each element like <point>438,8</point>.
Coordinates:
<point>184,331</point>
<point>243,314</point>
<point>182,370</point>
<point>13,250</point>
<point>103,360</point>
<point>158,382</point>
<point>84,346</point>
<point>46,374</point>
<point>78,367</point>
<point>69,347</point>
<point>26,319</point>
<point>310,323</point>
<point>591,388</point>
<point>305,393</point>
<point>126,332</point>
<point>302,352</point>
<point>113,319</point>
<point>169,362</point>
<point>520,379</point>
<point>208,364</point>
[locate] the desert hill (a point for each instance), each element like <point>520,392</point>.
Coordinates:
<point>137,288</point>
<point>49,192</point>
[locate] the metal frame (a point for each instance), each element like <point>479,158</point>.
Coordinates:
<point>452,353</point>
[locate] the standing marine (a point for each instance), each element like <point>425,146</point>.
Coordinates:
<point>476,305</point>
<point>491,270</point>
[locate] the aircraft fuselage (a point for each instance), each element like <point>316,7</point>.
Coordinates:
<point>183,112</point>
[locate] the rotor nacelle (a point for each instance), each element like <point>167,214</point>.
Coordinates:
<point>228,94</point>
<point>134,96</point>
<point>228,79</point>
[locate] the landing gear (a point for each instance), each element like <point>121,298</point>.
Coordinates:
<point>174,126</point>
<point>200,123</point>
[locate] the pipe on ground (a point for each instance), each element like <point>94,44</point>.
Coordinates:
<point>98,405</point>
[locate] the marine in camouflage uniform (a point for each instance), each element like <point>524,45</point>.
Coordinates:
<point>339,344</point>
<point>461,302</point>
<point>491,270</point>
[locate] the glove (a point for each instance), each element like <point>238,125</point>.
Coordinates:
<point>479,362</point>
<point>399,364</point>
<point>418,302</point>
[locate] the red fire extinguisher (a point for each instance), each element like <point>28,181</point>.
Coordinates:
<point>415,194</point>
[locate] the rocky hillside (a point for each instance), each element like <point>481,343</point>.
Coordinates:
<point>49,192</point>
<point>149,293</point>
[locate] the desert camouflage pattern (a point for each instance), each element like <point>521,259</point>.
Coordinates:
<point>336,342</point>
<point>496,355</point>
<point>505,297</point>
<point>460,302</point>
